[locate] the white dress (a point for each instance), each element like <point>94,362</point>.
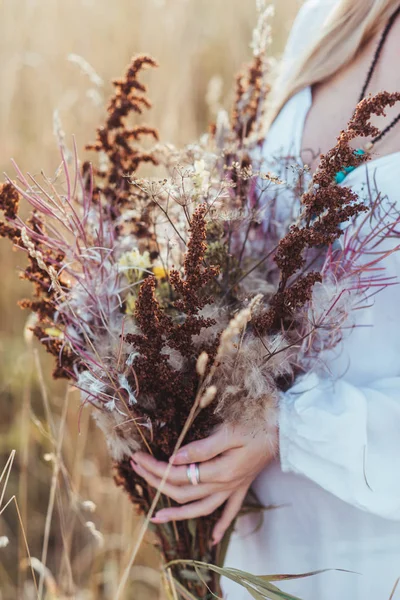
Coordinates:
<point>337,483</point>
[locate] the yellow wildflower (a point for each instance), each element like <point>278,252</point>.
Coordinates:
<point>159,272</point>
<point>54,332</point>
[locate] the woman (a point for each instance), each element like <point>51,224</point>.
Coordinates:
<point>335,484</point>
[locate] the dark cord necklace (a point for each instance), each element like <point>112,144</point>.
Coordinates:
<point>342,174</point>
<point>371,71</point>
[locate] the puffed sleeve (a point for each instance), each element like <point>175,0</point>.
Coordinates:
<point>341,427</point>
<point>346,438</point>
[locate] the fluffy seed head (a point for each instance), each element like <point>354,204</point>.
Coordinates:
<point>208,396</point>
<point>202,364</point>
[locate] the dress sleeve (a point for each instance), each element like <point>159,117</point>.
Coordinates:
<point>341,428</point>
<point>346,438</point>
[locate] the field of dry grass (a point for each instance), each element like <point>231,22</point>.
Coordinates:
<point>74,518</point>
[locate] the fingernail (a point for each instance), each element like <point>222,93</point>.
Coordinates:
<point>160,519</point>
<point>181,456</point>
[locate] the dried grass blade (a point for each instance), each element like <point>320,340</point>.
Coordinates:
<point>263,588</point>
<point>6,472</point>
<point>394,589</point>
<point>186,595</point>
<point>14,499</point>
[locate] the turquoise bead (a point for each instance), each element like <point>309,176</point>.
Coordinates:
<point>340,177</point>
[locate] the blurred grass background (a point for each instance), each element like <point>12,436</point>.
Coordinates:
<point>196,42</point>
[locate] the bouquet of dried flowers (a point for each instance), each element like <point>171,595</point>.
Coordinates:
<point>165,302</point>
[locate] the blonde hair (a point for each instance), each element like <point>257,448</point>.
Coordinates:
<point>348,27</point>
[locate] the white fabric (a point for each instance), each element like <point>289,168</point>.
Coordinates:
<point>337,482</point>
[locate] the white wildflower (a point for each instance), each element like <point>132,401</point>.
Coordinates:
<point>133,264</point>
<point>4,541</point>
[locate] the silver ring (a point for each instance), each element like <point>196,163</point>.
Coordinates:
<point>193,473</point>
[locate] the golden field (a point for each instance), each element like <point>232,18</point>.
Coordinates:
<point>74,519</point>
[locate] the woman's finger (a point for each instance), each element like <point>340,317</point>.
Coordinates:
<point>191,511</point>
<point>181,494</point>
<point>176,475</point>
<point>219,470</point>
<point>206,449</point>
<point>230,512</point>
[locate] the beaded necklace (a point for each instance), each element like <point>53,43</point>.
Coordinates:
<point>341,175</point>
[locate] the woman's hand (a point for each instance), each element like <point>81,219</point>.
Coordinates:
<point>229,460</point>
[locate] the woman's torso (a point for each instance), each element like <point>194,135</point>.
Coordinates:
<point>312,529</point>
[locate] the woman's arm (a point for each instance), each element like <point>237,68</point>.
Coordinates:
<point>346,438</point>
